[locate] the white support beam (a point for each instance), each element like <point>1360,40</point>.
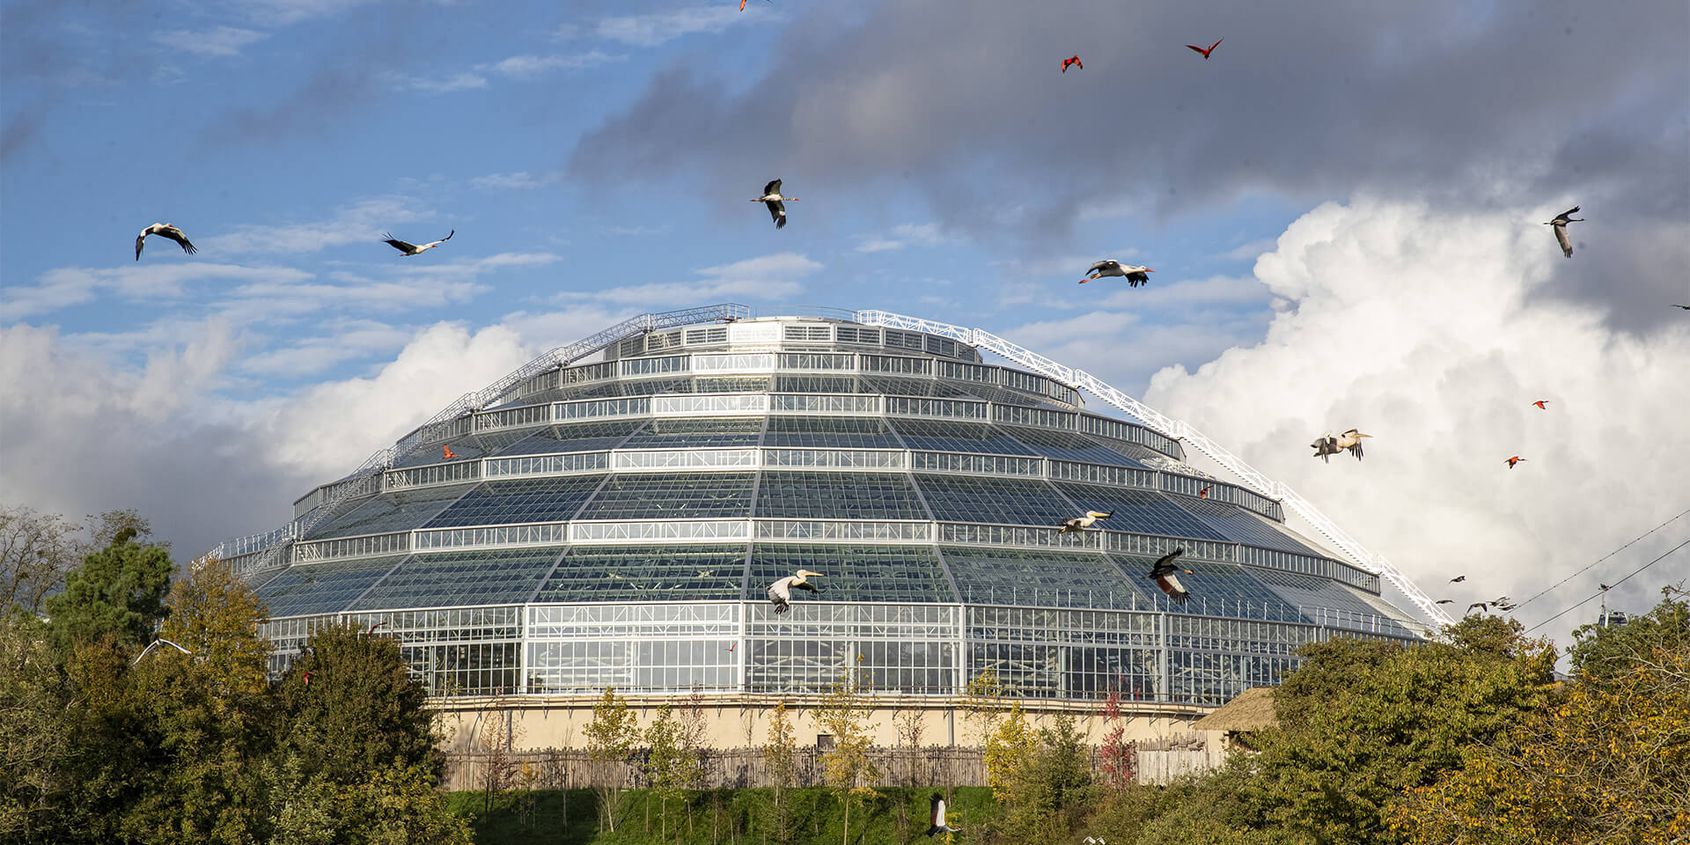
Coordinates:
<point>1180,431</point>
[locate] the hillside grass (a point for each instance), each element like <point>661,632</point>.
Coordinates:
<point>715,817</point>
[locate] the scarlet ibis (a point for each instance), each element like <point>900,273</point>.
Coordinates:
<point>777,204</point>
<point>1210,49</point>
<point>1541,403</point>
<point>163,230</point>
<point>1559,224</point>
<point>1514,460</point>
<point>410,249</point>
<point>1074,61</point>
<point>1203,493</point>
<point>446,453</point>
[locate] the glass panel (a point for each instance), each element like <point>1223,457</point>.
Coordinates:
<point>1066,446</point>
<point>815,384</point>
<point>960,498</point>
<point>837,433</point>
<point>443,580</point>
<point>1216,589</point>
<point>529,500</point>
<point>1138,511</point>
<point>1051,578</point>
<point>838,495</point>
<point>852,573</point>
<point>646,573</point>
<point>396,511</point>
<point>944,436</point>
<point>322,587</point>
<point>573,438</point>
<point>673,496</point>
<point>1243,526</point>
<point>689,433</point>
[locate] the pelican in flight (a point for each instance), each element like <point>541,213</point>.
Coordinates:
<point>155,644</point>
<point>1081,523</point>
<point>780,592</point>
<point>409,248</point>
<point>1166,573</point>
<point>1350,441</point>
<point>1325,447</point>
<point>164,230</point>
<point>1134,274</point>
<point>777,204</point>
<point>1559,224</point>
<point>936,817</point>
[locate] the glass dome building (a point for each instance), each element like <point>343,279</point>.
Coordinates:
<point>612,514</point>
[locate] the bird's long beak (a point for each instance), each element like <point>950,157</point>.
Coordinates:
<point>1084,280</point>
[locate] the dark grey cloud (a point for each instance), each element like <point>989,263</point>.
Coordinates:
<point>1460,104</point>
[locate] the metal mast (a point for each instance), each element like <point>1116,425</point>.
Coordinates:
<point>1179,430</point>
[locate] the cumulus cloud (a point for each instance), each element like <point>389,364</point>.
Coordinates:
<point>66,286</point>
<point>1433,330</point>
<point>216,42</point>
<point>359,222</point>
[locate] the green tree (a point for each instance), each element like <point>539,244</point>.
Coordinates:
<point>779,756</point>
<point>669,766</point>
<point>35,739</point>
<point>1063,774</point>
<point>118,591</point>
<point>1012,757</point>
<point>610,740</point>
<point>847,767</point>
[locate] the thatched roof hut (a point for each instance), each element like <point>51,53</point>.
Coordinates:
<point>1251,710</point>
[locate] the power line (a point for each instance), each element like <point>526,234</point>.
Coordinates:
<point>1604,557</point>
<point>1615,584</point>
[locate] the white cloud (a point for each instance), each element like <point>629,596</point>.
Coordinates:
<point>279,12</point>
<point>907,234</point>
<point>527,66</point>
<point>521,180</point>
<point>1433,331</point>
<point>217,42</point>
<point>656,28</point>
<point>362,221</point>
<point>766,277</point>
<point>461,81</point>
<point>346,341</point>
<point>67,286</point>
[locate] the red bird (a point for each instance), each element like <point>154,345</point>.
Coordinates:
<point>1203,493</point>
<point>1541,403</point>
<point>446,453</point>
<point>308,677</point>
<point>1208,51</point>
<point>1514,460</point>
<point>1072,60</point>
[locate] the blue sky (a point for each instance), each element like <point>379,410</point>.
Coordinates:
<point>595,160</point>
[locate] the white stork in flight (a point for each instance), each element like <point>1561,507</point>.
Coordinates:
<point>1081,523</point>
<point>777,204</point>
<point>155,644</point>
<point>780,592</point>
<point>1559,224</point>
<point>936,817</point>
<point>409,248</point>
<point>1166,574</point>
<point>163,230</point>
<point>1135,274</point>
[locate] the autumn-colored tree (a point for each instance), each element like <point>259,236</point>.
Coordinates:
<point>37,550</point>
<point>1607,761</point>
<point>1117,758</point>
<point>780,758</point>
<point>610,740</point>
<point>983,702</point>
<point>847,767</point>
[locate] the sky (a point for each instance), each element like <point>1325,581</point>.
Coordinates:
<point>1343,206</point>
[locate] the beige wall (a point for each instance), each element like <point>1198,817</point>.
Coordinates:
<point>741,721</point>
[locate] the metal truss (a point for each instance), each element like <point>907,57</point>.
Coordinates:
<point>1177,429</point>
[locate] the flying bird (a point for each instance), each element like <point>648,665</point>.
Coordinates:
<point>1350,441</point>
<point>1444,601</point>
<point>446,453</point>
<point>1074,61</point>
<point>780,592</point>
<point>412,249</point>
<point>777,204</point>
<point>164,230</point>
<point>1458,579</point>
<point>1133,273</point>
<point>1604,587</point>
<point>1541,404</point>
<point>1503,604</point>
<point>155,644</point>
<point>1478,604</point>
<point>1325,448</point>
<point>1514,460</point>
<point>1203,493</point>
<point>936,817</point>
<point>1211,49</point>
<point>1559,224</point>
<point>1081,523</point>
<point>1685,307</point>
<point>1165,572</point>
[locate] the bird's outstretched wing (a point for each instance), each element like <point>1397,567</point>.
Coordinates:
<point>1561,238</point>
<point>1195,48</point>
<point>449,236</point>
<point>1105,264</point>
<point>139,241</point>
<point>1568,213</point>
<point>176,235</point>
<point>777,212</point>
<point>402,246</point>
<point>771,188</point>
<point>805,585</point>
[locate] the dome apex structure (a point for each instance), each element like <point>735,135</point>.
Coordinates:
<point>612,514</point>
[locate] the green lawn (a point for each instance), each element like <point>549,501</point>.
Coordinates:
<point>722,817</point>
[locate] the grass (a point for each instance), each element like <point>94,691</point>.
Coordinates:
<point>717,817</point>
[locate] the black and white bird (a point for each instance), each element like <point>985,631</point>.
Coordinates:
<point>1480,605</point>
<point>777,204</point>
<point>1325,447</point>
<point>936,823</point>
<point>1134,274</point>
<point>1350,441</point>
<point>1559,224</point>
<point>780,592</point>
<point>155,644</point>
<point>1081,523</point>
<point>1503,604</point>
<point>164,230</point>
<point>409,248</point>
<point>1166,574</point>
<point>1458,579</point>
